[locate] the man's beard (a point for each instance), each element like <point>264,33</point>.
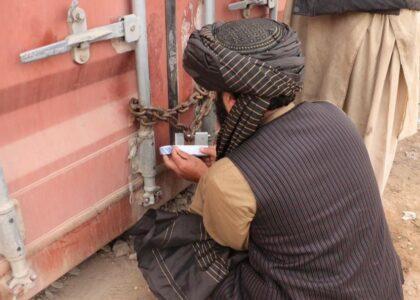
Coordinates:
<point>221,112</point>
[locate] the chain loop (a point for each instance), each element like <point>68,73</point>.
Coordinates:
<point>201,99</point>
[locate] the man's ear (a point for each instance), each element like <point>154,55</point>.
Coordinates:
<point>229,100</point>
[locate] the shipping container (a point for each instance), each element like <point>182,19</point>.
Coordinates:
<point>65,127</point>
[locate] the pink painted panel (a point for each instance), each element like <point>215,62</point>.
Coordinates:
<point>64,127</point>
<point>55,114</point>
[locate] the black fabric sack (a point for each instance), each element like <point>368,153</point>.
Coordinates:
<point>178,258</point>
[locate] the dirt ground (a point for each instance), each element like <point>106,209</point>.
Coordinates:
<point>103,276</point>
<point>403,194</point>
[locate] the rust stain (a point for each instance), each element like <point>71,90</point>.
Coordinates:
<point>187,25</point>
<point>48,38</point>
<point>56,259</point>
<point>156,48</point>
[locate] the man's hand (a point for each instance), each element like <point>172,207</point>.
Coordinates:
<point>211,152</point>
<point>186,166</point>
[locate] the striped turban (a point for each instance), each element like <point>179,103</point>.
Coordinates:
<point>258,59</point>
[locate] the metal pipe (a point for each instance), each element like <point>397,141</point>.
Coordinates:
<point>209,11</point>
<point>172,65</point>
<point>209,122</point>
<point>147,146</point>
<point>142,53</point>
<point>274,11</point>
<point>11,243</point>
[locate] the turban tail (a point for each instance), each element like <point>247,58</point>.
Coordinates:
<point>259,59</point>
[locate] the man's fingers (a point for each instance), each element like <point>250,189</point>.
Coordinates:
<point>184,165</point>
<point>170,164</point>
<point>208,161</point>
<point>210,151</point>
<point>178,156</point>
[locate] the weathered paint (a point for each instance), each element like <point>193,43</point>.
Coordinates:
<point>72,248</point>
<point>64,127</point>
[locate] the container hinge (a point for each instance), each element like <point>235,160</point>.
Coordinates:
<point>11,243</point>
<point>79,40</point>
<point>246,6</point>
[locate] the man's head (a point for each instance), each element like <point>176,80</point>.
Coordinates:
<point>255,65</point>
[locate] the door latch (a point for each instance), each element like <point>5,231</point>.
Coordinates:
<point>81,37</point>
<point>246,6</point>
<point>200,138</point>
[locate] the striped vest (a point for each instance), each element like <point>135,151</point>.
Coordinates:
<point>320,230</point>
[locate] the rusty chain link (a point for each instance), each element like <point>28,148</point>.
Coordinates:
<point>201,99</point>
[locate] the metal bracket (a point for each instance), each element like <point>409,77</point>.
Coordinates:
<point>246,6</point>
<point>78,42</point>
<point>179,139</point>
<point>11,243</point>
<point>200,138</point>
<point>77,20</point>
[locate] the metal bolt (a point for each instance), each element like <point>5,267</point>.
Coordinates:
<point>83,45</point>
<point>79,17</point>
<point>11,221</point>
<point>188,137</point>
<point>133,28</point>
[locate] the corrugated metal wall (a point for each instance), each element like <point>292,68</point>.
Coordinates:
<point>64,127</point>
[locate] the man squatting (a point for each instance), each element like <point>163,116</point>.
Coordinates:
<point>290,209</point>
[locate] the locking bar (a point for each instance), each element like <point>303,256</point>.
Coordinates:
<point>78,42</point>
<point>115,30</point>
<point>44,52</point>
<point>246,6</point>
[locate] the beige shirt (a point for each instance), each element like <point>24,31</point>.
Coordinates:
<point>368,65</point>
<point>333,46</point>
<point>225,200</point>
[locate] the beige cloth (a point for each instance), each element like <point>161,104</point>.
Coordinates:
<point>225,200</point>
<point>368,65</point>
<point>227,204</point>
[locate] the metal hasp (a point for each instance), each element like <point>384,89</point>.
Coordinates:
<point>200,138</point>
<point>11,243</point>
<point>246,6</point>
<point>179,139</point>
<point>76,18</point>
<point>209,121</point>
<point>79,40</point>
<point>147,146</point>
<point>133,28</point>
<point>209,11</point>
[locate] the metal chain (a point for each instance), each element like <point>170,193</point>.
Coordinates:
<point>201,99</point>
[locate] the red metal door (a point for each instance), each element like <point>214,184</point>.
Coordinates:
<point>64,127</point>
